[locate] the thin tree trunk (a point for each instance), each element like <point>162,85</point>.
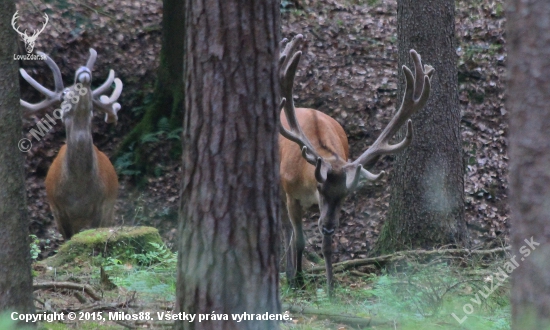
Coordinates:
<point>528,101</point>
<point>168,96</point>
<point>229,216</point>
<point>427,204</point>
<point>15,262</point>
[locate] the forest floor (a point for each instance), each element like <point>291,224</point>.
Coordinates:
<point>349,70</point>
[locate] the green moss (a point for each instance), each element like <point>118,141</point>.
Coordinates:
<point>121,243</point>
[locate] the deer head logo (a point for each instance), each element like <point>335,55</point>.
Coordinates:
<point>29,40</point>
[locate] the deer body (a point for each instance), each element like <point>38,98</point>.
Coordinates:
<point>81,184</point>
<point>81,199</point>
<point>297,175</point>
<point>314,153</point>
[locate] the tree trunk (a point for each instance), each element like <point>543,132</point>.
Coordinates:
<point>15,262</point>
<point>528,101</point>
<point>168,96</point>
<point>228,260</point>
<point>427,204</point>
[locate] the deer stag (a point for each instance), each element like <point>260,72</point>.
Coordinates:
<point>81,185</point>
<point>314,151</point>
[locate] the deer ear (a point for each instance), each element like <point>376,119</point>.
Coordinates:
<point>321,170</point>
<point>353,174</point>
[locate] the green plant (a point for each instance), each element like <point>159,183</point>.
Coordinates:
<point>152,273</point>
<point>159,254</point>
<point>125,164</point>
<point>35,247</point>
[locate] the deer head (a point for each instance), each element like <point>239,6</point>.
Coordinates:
<point>80,88</point>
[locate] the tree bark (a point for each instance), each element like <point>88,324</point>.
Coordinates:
<point>427,203</point>
<point>168,96</point>
<point>15,260</point>
<point>229,214</point>
<point>528,101</point>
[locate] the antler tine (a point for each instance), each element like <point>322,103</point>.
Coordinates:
<point>289,60</point>
<point>108,104</point>
<point>91,59</point>
<point>290,47</point>
<point>417,91</point>
<point>106,85</point>
<point>51,96</point>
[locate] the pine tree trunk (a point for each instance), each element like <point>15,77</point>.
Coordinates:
<point>427,204</point>
<point>15,262</point>
<point>528,101</point>
<point>230,195</point>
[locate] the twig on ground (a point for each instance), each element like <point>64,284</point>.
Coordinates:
<point>379,261</point>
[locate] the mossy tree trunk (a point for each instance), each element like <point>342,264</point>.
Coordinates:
<point>426,203</point>
<point>168,95</point>
<point>229,216</point>
<point>528,101</point>
<point>15,261</point>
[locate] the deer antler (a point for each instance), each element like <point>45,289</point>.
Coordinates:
<point>288,66</point>
<point>52,97</point>
<point>416,95</point>
<point>104,103</point>
<point>288,62</point>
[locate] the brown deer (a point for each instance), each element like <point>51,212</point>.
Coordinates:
<point>314,153</point>
<point>81,185</point>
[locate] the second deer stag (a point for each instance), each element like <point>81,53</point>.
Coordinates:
<point>314,153</point>
<point>81,184</point>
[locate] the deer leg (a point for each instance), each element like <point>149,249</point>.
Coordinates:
<point>62,225</point>
<point>327,252</point>
<point>295,214</point>
<point>107,214</point>
<point>288,244</point>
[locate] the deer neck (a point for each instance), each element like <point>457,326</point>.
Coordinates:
<point>80,160</point>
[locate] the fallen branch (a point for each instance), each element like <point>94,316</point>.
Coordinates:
<point>96,307</point>
<point>68,285</point>
<point>379,261</point>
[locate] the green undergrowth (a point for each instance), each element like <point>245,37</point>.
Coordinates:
<point>146,278</point>
<point>152,275</point>
<point>414,296</point>
<point>407,295</point>
<point>134,259</point>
